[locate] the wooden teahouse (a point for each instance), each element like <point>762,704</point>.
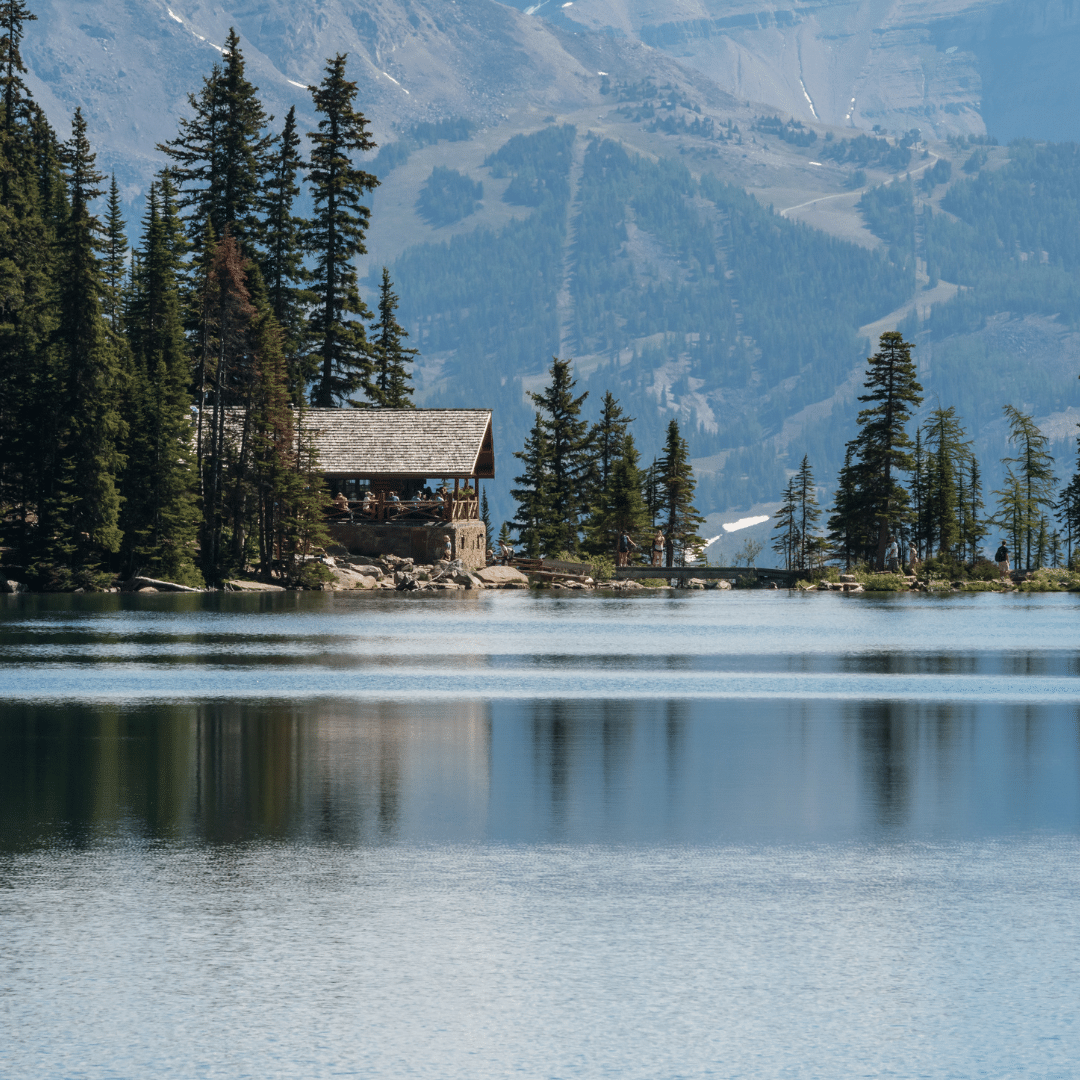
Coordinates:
<point>395,467</point>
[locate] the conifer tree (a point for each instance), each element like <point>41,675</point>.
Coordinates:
<point>283,260</point>
<point>160,515</point>
<point>114,260</point>
<point>33,204</point>
<point>974,526</point>
<point>390,383</point>
<point>918,494</point>
<point>201,322</point>
<point>220,154</point>
<point>847,526</point>
<point>620,507</point>
<point>533,494</point>
<point>1055,551</point>
<point>1034,471</point>
<point>232,384</point>
<point>949,459</point>
<point>680,517</point>
<point>13,13</point>
<point>607,438</point>
<point>808,513</point>
<point>786,542</point>
<point>568,445</point>
<point>335,236</point>
<point>882,447</point>
<point>1042,543</point>
<point>288,490</point>
<point>652,491</point>
<point>1012,513</point>
<point>80,521</point>
<point>1067,510</point>
<point>485,515</point>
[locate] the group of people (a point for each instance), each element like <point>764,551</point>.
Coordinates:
<point>626,545</point>
<point>341,505</point>
<point>892,558</point>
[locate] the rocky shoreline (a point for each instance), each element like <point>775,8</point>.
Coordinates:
<point>391,573</point>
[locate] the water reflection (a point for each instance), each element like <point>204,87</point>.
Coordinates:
<point>549,771</point>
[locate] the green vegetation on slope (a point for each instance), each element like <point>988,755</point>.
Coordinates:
<point>688,297</point>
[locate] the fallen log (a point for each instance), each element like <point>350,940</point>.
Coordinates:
<point>554,575</point>
<point>136,583</point>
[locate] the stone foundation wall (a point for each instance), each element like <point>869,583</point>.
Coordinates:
<point>421,543</point>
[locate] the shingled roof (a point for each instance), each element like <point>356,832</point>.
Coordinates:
<point>419,443</point>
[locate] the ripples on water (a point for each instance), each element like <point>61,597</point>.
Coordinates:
<point>751,834</point>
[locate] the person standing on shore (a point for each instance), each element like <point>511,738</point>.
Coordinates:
<point>622,553</point>
<point>658,549</point>
<point>912,558</point>
<point>1001,557</point>
<point>892,556</point>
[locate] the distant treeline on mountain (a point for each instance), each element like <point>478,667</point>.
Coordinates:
<point>691,299</point>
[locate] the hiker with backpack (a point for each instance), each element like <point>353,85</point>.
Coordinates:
<point>622,551</point>
<point>1001,557</point>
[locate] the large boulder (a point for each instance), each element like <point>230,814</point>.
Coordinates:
<point>13,587</point>
<point>502,577</point>
<point>348,577</point>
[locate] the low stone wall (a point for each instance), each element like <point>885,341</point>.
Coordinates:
<point>423,543</point>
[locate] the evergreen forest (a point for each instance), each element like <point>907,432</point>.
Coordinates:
<point>152,399</point>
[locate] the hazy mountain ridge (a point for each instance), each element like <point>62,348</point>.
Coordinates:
<point>948,66</point>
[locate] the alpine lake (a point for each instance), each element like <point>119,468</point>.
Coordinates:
<point>477,835</point>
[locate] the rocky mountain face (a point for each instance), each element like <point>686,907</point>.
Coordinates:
<point>947,67</point>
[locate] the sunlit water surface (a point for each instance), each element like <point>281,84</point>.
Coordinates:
<point>699,835</point>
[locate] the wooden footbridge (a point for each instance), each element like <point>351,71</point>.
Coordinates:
<point>785,579</point>
<point>555,570</point>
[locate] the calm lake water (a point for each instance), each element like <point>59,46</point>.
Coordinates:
<point>751,834</point>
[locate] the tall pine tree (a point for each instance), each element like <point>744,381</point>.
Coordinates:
<point>1030,474</point>
<point>220,155</point>
<point>569,445</point>
<point>335,236</point>
<point>680,517</point>
<point>620,506</point>
<point>80,521</point>
<point>283,259</point>
<point>390,383</point>
<point>607,438</point>
<point>533,493</point>
<point>114,260</point>
<point>882,447</point>
<point>160,515</point>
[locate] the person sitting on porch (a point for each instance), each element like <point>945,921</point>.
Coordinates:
<point>341,502</point>
<point>369,504</point>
